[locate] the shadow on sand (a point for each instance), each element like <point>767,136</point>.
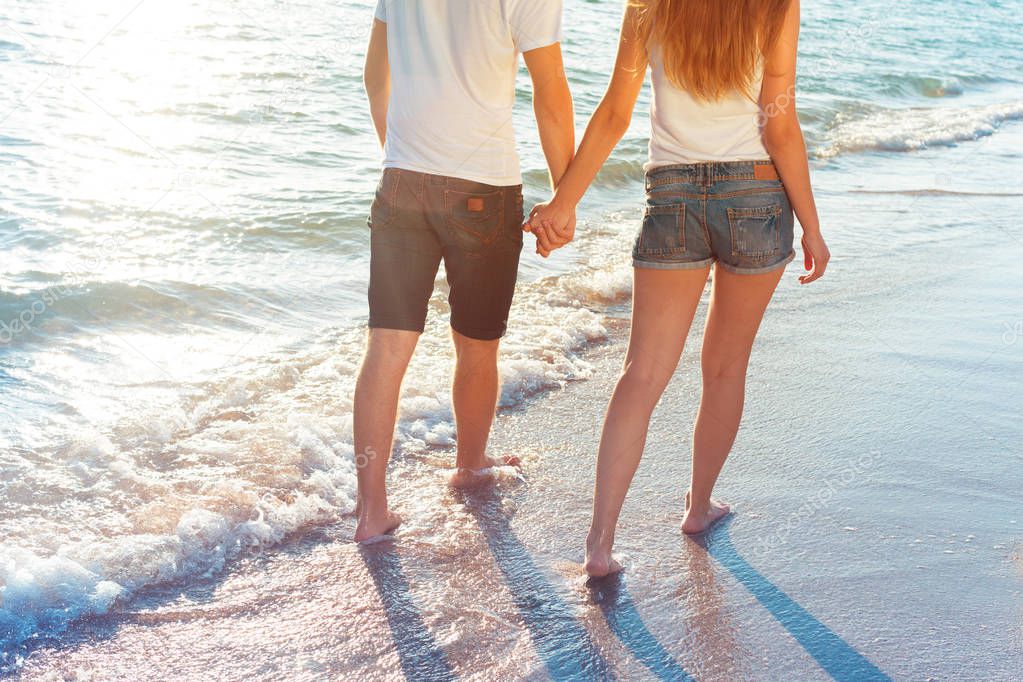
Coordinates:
<point>420,657</point>
<point>561,641</point>
<point>831,652</point>
<point>612,596</point>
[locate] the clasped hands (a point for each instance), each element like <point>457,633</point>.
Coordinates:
<point>552,224</point>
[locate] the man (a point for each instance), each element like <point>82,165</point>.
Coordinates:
<point>440,75</point>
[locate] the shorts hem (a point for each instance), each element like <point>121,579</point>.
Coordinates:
<point>477,334</point>
<point>668,265</point>
<point>759,270</point>
<point>397,325</point>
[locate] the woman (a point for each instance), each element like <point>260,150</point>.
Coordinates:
<point>727,168</point>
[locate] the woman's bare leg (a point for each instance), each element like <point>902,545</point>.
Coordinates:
<point>664,304</point>
<point>737,305</point>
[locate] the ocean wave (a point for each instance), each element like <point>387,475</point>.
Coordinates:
<point>43,595</point>
<point>934,193</point>
<point>902,130</point>
<point>279,470</point>
<point>278,434</point>
<point>854,127</point>
<point>69,302</point>
<point>624,168</point>
<point>927,86</point>
<point>8,141</point>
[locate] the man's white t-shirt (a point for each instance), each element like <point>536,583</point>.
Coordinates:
<point>453,68</point>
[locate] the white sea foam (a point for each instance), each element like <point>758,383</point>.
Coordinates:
<point>262,453</point>
<point>912,129</point>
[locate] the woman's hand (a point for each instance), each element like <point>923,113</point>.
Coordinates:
<point>815,256</point>
<point>553,226</point>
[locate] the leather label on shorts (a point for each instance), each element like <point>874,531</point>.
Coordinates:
<point>474,204</point>
<point>763,171</point>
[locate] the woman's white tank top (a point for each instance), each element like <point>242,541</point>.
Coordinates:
<point>685,129</point>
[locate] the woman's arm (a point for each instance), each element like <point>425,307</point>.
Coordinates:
<point>607,126</point>
<point>783,138</point>
<point>377,78</point>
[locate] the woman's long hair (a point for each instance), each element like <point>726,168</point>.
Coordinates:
<point>712,47</point>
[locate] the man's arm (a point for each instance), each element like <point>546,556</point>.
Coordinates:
<point>552,104</point>
<point>377,78</point>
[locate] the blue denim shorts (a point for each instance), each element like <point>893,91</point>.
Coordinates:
<point>734,213</point>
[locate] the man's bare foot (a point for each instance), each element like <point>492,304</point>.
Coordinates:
<point>376,528</point>
<point>467,477</point>
<point>697,521</point>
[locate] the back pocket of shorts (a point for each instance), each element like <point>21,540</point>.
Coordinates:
<point>663,232</point>
<point>756,232</point>
<point>478,216</point>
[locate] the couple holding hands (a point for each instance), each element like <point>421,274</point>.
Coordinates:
<point>727,171</point>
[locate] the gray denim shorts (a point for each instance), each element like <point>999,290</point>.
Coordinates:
<point>418,220</point>
<point>734,213</point>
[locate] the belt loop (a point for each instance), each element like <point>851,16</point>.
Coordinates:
<point>765,171</point>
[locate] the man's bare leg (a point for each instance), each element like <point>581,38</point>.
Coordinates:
<point>388,353</point>
<point>474,394</point>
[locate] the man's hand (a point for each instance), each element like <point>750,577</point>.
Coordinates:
<point>552,224</point>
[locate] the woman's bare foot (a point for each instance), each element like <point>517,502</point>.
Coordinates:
<point>599,560</point>
<point>469,476</point>
<point>601,565</point>
<point>698,520</point>
<point>375,528</point>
